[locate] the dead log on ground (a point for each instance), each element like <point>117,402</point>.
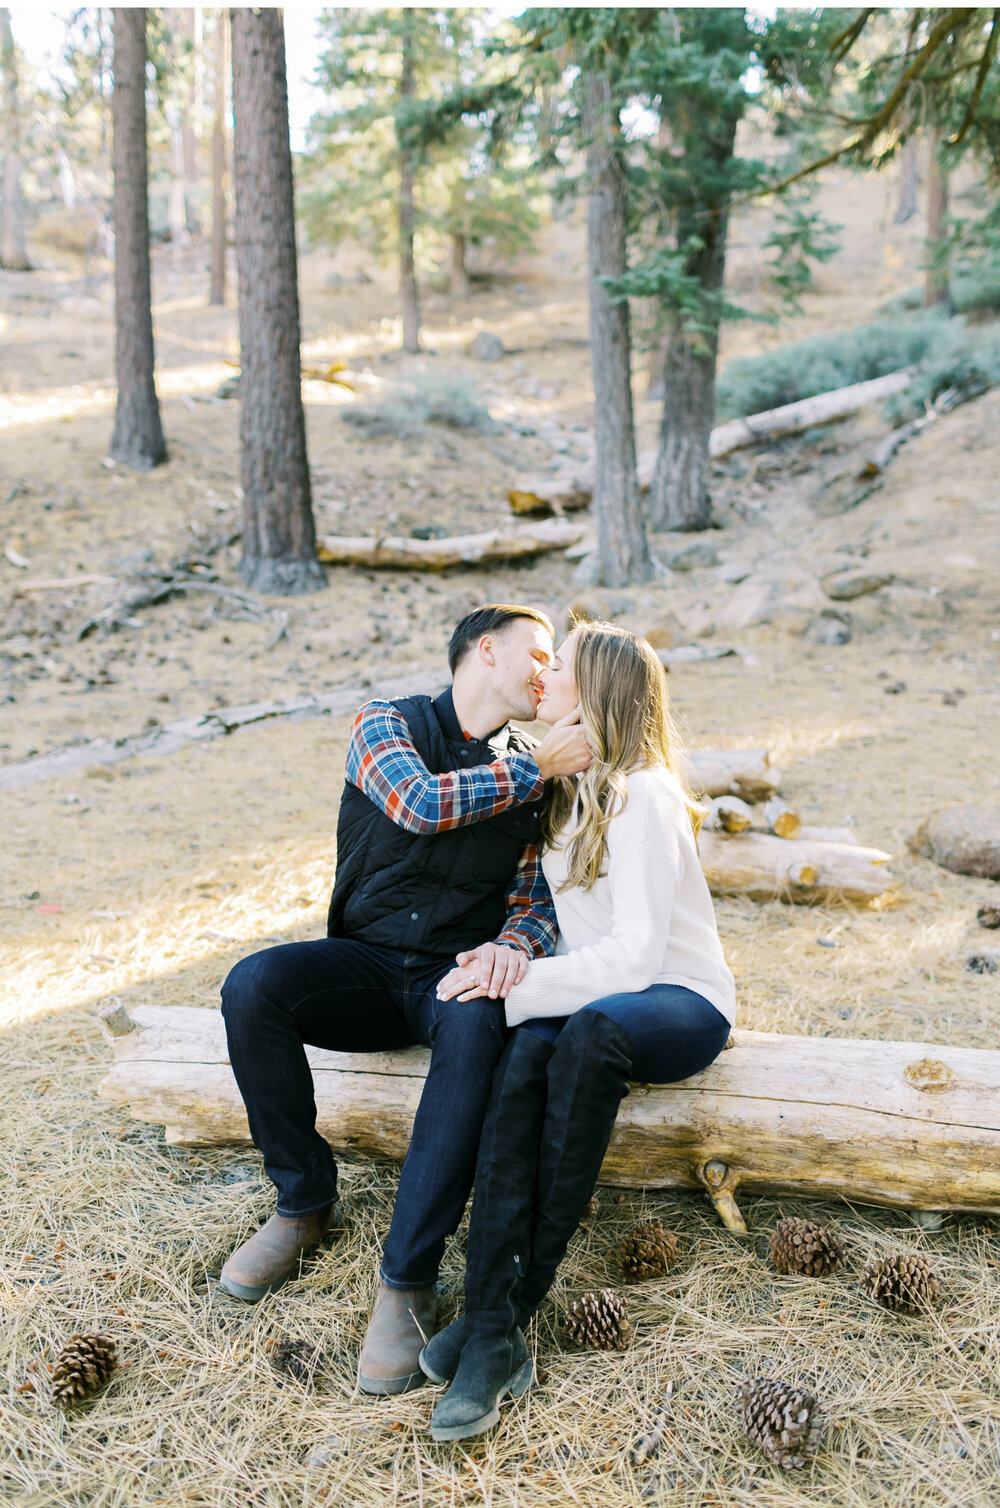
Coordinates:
<point>734,772</point>
<point>729,814</point>
<point>964,839</point>
<point>217,723</point>
<point>781,820</point>
<point>540,493</point>
<point>515,542</point>
<point>767,868</point>
<point>907,1124</point>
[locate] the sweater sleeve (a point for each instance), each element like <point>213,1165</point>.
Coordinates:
<point>644,862</point>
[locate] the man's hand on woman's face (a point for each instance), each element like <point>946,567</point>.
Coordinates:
<point>489,970</point>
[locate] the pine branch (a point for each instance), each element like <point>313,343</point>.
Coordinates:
<point>989,52</point>
<point>845,40</point>
<point>952,20</point>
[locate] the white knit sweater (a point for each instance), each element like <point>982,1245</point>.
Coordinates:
<point>648,920</point>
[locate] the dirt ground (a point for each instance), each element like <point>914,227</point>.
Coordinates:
<point>150,878</point>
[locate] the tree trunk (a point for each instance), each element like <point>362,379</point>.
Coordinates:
<point>623,552</point>
<point>407,214</point>
<point>137,440</point>
<point>458,277</point>
<point>13,253</point>
<point>678,496</point>
<point>907,207</point>
<point>177,199</point>
<point>279,537</point>
<point>937,289</point>
<point>218,256</point>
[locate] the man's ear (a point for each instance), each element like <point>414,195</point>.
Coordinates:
<point>486,649</point>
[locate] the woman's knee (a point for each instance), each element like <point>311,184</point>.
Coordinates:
<point>478,1024</point>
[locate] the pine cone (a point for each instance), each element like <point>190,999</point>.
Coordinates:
<point>592,1211</point>
<point>83,1365</point>
<point>647,1252</point>
<point>783,1420</point>
<point>298,1359</point>
<point>802,1246</point>
<point>598,1321</point>
<point>903,1282</point>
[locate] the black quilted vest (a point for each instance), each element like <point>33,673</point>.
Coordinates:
<point>429,893</point>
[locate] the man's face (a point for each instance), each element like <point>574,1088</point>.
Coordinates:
<point>520,652</point>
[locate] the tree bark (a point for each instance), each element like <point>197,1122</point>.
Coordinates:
<point>937,288</point>
<point>678,495</point>
<point>907,206</point>
<point>137,440</point>
<point>623,551</point>
<point>13,252</point>
<point>279,536</point>
<point>217,295</point>
<point>409,305</point>
<point>458,277</point>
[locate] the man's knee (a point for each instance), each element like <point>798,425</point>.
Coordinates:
<point>248,983</point>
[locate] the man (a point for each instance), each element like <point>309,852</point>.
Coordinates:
<point>436,859</point>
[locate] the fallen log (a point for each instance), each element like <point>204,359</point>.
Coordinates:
<point>399,552</point>
<point>729,814</point>
<point>766,868</point>
<point>907,1124</point>
<point>542,493</point>
<point>734,772</point>
<point>964,839</point>
<point>781,820</point>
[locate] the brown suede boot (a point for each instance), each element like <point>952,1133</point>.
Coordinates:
<point>402,1321</point>
<point>273,1255</point>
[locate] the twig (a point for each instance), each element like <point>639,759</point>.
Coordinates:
<point>649,1443</point>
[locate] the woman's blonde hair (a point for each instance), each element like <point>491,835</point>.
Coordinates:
<point>625,710</point>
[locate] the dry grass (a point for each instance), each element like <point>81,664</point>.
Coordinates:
<point>162,873</point>
<point>104,1226</point>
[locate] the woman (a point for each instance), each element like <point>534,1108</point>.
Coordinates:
<point>638,989</point>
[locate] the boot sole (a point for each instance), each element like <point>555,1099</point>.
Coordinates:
<point>377,1385</point>
<point>516,1386</point>
<point>252,1295</point>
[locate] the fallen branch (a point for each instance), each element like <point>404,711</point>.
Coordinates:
<point>516,542</point>
<point>120,612</point>
<point>851,1112</point>
<point>211,725</point>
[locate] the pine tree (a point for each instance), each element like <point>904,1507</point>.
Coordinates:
<point>279,537</point>
<point>13,252</point>
<point>137,440</point>
<point>217,293</point>
<point>418,145</point>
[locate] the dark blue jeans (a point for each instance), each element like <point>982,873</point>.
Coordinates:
<point>349,997</point>
<point>674,1032</point>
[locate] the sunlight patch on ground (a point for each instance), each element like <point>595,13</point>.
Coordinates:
<point>193,919</point>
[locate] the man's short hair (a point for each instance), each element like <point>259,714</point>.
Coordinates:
<point>491,619</point>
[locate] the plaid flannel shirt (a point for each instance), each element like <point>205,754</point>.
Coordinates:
<point>383,762</point>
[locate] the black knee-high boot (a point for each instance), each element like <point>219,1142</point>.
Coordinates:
<point>585,1082</point>
<point>588,1076</point>
<point>494,1358</point>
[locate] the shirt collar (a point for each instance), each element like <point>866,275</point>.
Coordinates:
<point>444,706</point>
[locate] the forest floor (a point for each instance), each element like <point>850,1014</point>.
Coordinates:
<point>148,879</point>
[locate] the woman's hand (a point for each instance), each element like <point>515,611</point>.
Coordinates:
<point>489,970</point>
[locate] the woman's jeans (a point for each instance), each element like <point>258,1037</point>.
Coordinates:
<point>350,997</point>
<point>674,1032</point>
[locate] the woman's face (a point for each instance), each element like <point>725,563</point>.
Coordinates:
<point>559,681</point>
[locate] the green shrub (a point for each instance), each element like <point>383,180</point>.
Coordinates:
<point>964,361</point>
<point>820,363</point>
<point>431,398</point>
